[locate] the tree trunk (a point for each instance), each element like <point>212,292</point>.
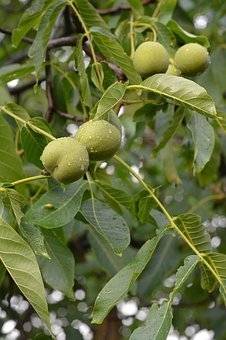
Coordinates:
<point>109,329</point>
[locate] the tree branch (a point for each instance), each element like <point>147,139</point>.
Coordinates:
<point>26,86</point>
<point>7,32</point>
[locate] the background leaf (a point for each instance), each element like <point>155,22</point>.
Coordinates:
<point>111,226</point>
<point>30,19</point>
<point>59,270</point>
<point>164,10</point>
<point>89,14</point>
<point>111,97</point>
<point>136,6</point>
<point>84,82</point>
<point>38,48</point>
<point>204,139</point>
<point>58,206</point>
<point>14,71</point>
<point>20,262</point>
<point>113,51</point>
<point>119,285</point>
<point>10,163</point>
<point>185,36</point>
<point>159,319</point>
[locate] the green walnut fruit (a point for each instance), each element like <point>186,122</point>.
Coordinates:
<point>150,58</point>
<point>65,159</point>
<point>192,58</point>
<point>101,139</point>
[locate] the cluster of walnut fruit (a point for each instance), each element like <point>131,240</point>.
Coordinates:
<point>67,159</point>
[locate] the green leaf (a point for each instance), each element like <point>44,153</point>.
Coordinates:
<point>18,111</point>
<point>159,319</point>
<point>34,237</point>
<point>59,270</point>
<point>14,201</point>
<point>29,20</point>
<point>38,48</point>
<point>89,14</point>
<point>111,226</point>
<point>204,139</point>
<point>117,196</point>
<point>164,10</point>
<point>104,253</point>
<point>217,262</point>
<point>113,51</point>
<point>137,7</point>
<point>33,143</point>
<point>97,75</point>
<point>191,226</point>
<point>14,71</point>
<point>208,282</point>
<point>180,90</point>
<point>111,97</point>
<point>58,206</point>
<point>171,130</point>
<point>20,262</point>
<point>10,163</point>
<point>83,79</point>
<point>185,36</point>
<point>2,273</point>
<point>22,118</point>
<point>120,284</point>
<point>145,204</point>
<point>165,37</point>
<point>109,261</point>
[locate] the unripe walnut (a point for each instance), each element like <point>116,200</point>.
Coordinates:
<point>192,58</point>
<point>101,139</point>
<point>150,58</point>
<point>65,159</point>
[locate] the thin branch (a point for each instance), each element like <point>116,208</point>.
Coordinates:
<point>26,86</point>
<point>78,120</point>
<point>7,32</point>
<point>118,71</point>
<point>118,9</point>
<point>62,41</point>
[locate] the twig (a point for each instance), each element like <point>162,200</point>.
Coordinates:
<point>78,120</point>
<point>118,9</point>
<point>8,32</point>
<point>29,179</point>
<point>118,71</point>
<point>62,41</point>
<point>21,88</point>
